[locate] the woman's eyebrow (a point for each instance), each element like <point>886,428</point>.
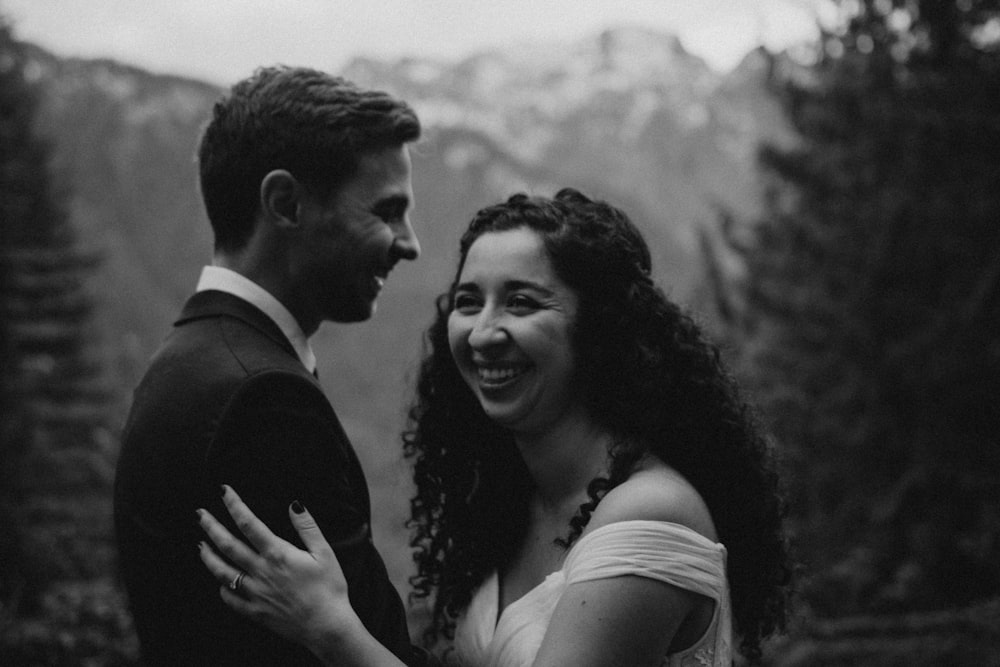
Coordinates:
<point>527,284</point>
<point>510,285</point>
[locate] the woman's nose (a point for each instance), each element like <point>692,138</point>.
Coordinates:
<point>487,331</point>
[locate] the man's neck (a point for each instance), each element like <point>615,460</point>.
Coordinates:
<point>227,280</point>
<point>263,269</point>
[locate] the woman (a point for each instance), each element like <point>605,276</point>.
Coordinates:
<point>580,459</point>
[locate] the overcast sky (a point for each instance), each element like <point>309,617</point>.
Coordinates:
<point>224,40</point>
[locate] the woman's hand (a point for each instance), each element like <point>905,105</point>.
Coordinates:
<point>301,595</point>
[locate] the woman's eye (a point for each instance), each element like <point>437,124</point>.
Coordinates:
<point>521,302</point>
<point>465,303</point>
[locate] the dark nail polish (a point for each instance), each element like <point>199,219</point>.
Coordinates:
<point>297,507</point>
<point>222,490</point>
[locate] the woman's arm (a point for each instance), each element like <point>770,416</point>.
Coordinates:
<point>627,620</point>
<point>630,619</point>
<point>301,595</point>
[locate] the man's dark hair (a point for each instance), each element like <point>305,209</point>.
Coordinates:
<point>309,123</point>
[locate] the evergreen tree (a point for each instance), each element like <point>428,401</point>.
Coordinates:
<point>58,604</point>
<point>869,310</point>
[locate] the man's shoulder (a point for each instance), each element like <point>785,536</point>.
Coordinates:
<point>206,364</point>
<point>232,365</point>
<point>225,344</point>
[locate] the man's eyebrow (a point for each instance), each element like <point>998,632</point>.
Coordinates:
<point>394,204</point>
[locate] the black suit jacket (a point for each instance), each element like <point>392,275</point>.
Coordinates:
<point>226,400</point>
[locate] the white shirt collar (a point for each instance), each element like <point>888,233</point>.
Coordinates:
<point>231,282</point>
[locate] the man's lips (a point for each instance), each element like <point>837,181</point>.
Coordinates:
<point>379,276</point>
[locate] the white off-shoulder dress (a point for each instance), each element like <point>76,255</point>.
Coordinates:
<point>660,550</point>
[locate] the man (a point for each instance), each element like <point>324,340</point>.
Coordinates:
<point>306,182</point>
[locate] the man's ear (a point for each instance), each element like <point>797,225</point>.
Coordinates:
<point>280,196</point>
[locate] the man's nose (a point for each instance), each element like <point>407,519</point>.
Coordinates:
<point>405,245</point>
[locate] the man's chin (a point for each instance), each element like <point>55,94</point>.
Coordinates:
<point>361,313</point>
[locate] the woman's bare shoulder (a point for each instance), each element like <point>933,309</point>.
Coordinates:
<point>655,492</point>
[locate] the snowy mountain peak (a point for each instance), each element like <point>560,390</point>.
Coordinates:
<point>518,94</point>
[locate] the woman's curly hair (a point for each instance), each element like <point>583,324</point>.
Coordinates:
<point>648,376</point>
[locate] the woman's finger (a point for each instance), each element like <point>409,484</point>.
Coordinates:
<point>259,535</point>
<point>220,569</point>
<point>240,604</point>
<point>312,536</point>
<point>233,584</point>
<point>230,547</point>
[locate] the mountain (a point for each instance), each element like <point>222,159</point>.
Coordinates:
<point>626,115</point>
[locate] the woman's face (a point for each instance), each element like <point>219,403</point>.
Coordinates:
<point>509,331</point>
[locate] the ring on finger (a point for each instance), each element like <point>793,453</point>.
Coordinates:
<point>234,585</point>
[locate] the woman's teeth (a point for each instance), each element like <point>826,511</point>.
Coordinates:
<point>497,375</point>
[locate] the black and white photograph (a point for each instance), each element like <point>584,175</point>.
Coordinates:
<point>552,333</point>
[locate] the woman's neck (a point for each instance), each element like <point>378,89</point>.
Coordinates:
<point>563,460</point>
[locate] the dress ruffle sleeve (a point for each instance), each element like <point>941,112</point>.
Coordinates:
<point>667,552</point>
<point>659,550</point>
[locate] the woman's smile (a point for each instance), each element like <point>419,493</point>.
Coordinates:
<point>500,374</point>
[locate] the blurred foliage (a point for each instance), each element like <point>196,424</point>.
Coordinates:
<point>56,449</point>
<point>77,623</point>
<point>966,636</point>
<point>866,311</point>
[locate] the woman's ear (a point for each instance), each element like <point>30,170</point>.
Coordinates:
<point>280,196</point>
